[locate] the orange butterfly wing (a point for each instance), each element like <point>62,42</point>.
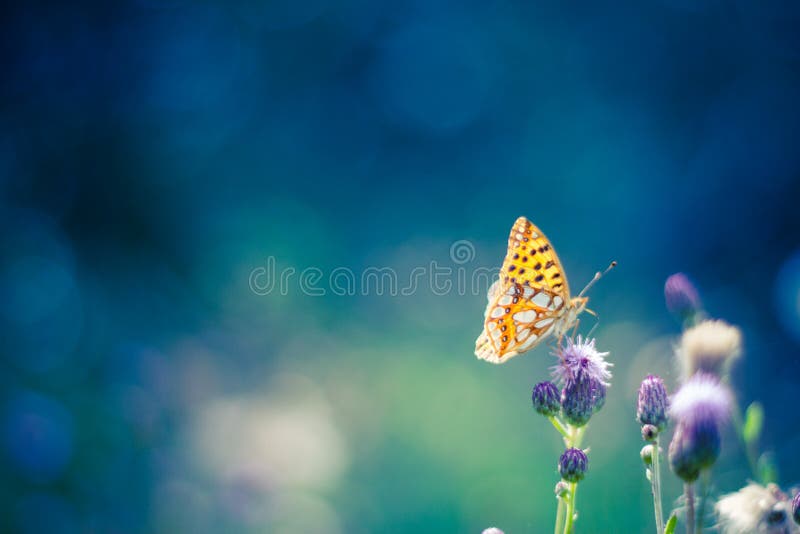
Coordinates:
<point>531,260</point>
<point>530,296</point>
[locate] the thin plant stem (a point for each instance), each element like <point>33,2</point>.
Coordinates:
<point>655,480</point>
<point>568,433</point>
<point>688,491</point>
<point>574,438</point>
<point>563,430</point>
<point>560,516</point>
<point>705,482</point>
<point>578,437</point>
<point>568,525</point>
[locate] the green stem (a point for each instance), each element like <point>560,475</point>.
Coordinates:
<point>573,490</point>
<point>559,516</point>
<point>572,439</point>
<point>655,479</point>
<point>567,433</point>
<point>559,426</point>
<point>577,437</point>
<point>688,491</point>
<point>705,477</point>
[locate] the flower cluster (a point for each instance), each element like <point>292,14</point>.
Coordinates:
<point>699,411</point>
<point>577,391</point>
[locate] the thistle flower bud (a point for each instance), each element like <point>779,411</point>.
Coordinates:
<point>681,296</point>
<point>694,448</point>
<point>546,399</point>
<point>561,489</point>
<point>647,455</point>
<point>572,465</point>
<point>649,433</point>
<point>652,406</point>
<point>581,398</point>
<point>796,508</point>
<point>709,347</point>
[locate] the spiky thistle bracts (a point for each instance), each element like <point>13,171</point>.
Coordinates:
<point>581,398</point>
<point>546,399</point>
<point>651,409</point>
<point>573,464</point>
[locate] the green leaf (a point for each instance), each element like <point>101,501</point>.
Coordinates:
<point>753,422</point>
<point>672,522</point>
<point>767,470</point>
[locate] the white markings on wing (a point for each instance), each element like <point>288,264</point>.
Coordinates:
<point>529,342</point>
<point>541,299</point>
<point>527,292</point>
<point>526,316</point>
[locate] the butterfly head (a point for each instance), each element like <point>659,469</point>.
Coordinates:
<point>578,304</point>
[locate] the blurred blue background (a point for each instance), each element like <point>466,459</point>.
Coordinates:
<point>153,154</point>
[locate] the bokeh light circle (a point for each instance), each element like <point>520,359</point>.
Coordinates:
<point>787,295</point>
<point>37,436</point>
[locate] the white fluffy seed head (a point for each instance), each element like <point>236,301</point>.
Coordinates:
<point>710,347</point>
<point>756,509</point>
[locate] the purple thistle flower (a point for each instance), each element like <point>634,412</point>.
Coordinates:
<point>681,296</point>
<point>581,398</point>
<point>702,397</point>
<point>700,408</point>
<point>796,508</point>
<point>653,403</point>
<point>546,398</point>
<point>572,465</point>
<point>581,357</point>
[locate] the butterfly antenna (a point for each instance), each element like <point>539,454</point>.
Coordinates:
<point>597,276</point>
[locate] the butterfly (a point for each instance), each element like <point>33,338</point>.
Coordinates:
<point>530,300</point>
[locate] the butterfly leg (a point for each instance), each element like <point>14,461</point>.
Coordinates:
<point>575,329</point>
<point>596,323</point>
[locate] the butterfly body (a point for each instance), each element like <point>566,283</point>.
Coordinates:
<point>530,300</point>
